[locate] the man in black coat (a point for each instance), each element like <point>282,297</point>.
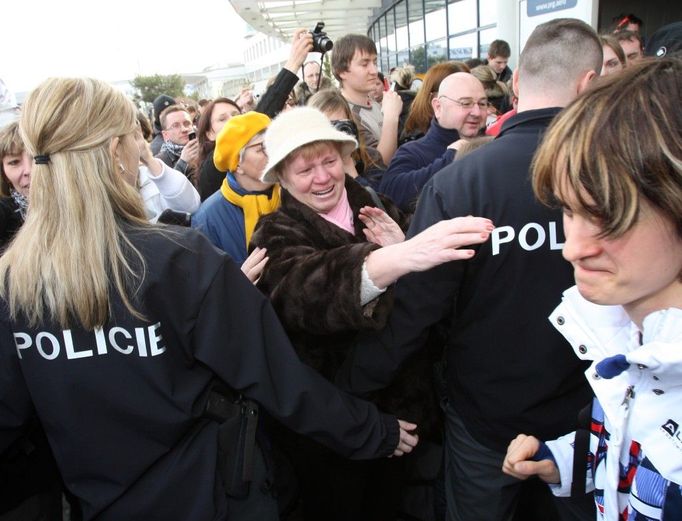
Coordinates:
<point>507,370</point>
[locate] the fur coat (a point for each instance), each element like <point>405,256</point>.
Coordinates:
<point>313,280</point>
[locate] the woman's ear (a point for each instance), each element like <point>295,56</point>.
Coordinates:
<point>114,147</point>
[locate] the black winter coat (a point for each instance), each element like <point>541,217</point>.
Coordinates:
<point>122,405</point>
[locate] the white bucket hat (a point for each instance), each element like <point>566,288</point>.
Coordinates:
<point>295,128</point>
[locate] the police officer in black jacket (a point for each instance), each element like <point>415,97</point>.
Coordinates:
<point>507,371</point>
<point>115,331</point>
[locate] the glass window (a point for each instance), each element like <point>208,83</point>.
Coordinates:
<point>487,12</point>
<point>383,64</point>
<point>390,31</point>
<point>463,47</point>
<point>416,20</point>
<point>401,32</point>
<point>436,22</point>
<point>462,16</point>
<point>486,38</point>
<point>437,52</point>
<point>403,57</point>
<point>418,58</point>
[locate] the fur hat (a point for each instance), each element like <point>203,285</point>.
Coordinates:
<point>160,103</point>
<point>236,133</point>
<point>295,128</point>
<point>667,40</point>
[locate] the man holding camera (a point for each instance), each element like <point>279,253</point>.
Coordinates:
<point>180,148</point>
<point>354,64</point>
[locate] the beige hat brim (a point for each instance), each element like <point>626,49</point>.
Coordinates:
<point>299,137</point>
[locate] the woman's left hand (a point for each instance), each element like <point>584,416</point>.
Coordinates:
<point>380,228</point>
<point>254,264</point>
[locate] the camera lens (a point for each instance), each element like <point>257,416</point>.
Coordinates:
<point>346,126</point>
<point>323,44</point>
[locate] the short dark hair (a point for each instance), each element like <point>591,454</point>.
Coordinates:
<point>499,48</point>
<point>169,110</point>
<point>625,35</point>
<point>345,48</point>
<point>558,51</point>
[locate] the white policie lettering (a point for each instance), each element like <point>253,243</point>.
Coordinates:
<point>531,237</point>
<point>147,341</point>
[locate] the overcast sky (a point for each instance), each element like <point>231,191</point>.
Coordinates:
<point>115,39</point>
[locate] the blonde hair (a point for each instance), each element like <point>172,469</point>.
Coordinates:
<point>72,248</point>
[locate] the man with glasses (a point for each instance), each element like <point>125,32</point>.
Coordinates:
<point>460,109</point>
<point>178,150</point>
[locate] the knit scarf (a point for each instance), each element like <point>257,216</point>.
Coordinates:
<point>254,206</point>
<point>21,202</point>
<point>173,149</point>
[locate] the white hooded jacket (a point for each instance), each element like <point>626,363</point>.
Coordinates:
<point>636,434</point>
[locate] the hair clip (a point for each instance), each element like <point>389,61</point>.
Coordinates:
<point>41,159</point>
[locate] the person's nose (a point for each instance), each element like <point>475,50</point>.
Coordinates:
<point>373,69</point>
<point>25,165</point>
<point>321,175</point>
<point>582,239</point>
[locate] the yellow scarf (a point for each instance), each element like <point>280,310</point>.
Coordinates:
<point>254,206</point>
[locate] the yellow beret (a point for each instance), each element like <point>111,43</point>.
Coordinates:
<point>236,133</point>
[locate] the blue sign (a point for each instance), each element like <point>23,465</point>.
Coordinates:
<point>538,7</point>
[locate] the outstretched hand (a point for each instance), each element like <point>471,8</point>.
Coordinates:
<point>518,462</point>
<point>254,264</point>
<point>442,242</point>
<point>380,228</point>
<point>407,441</point>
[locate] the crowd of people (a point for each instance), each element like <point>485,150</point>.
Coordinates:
<point>451,296</point>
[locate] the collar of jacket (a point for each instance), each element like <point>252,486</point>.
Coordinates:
<point>237,188</point>
<point>596,332</point>
<point>444,136</point>
<point>539,117</point>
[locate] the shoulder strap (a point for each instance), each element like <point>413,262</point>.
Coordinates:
<point>581,447</point>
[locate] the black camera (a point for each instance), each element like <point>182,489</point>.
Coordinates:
<point>346,126</point>
<point>192,135</point>
<point>321,42</point>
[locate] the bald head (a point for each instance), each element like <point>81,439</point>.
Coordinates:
<point>311,75</point>
<point>461,104</point>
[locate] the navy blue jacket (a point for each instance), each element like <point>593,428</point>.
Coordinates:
<point>508,370</point>
<point>415,162</point>
<point>122,405</point>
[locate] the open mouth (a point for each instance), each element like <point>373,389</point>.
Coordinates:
<point>324,192</point>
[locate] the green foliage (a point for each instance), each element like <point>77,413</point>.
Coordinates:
<point>150,87</point>
<point>418,59</point>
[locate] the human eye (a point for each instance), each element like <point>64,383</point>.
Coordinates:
<point>466,103</point>
<point>330,161</point>
<point>13,162</point>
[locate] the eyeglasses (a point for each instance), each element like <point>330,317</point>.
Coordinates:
<point>180,124</point>
<point>261,148</point>
<point>467,103</point>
